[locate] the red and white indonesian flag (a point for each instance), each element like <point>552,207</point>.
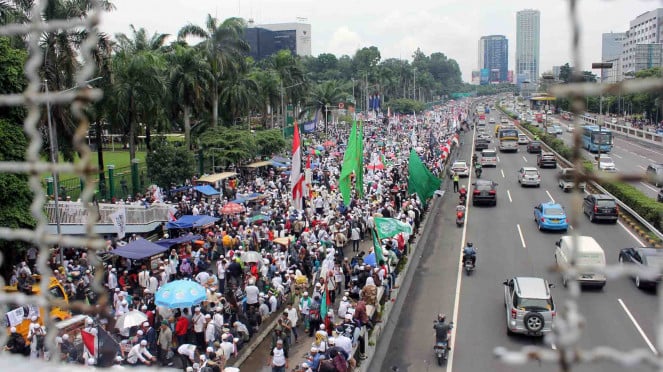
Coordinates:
<point>296,176</point>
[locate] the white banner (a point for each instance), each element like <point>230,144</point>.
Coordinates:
<point>119,218</point>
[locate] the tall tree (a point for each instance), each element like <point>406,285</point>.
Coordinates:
<point>189,78</point>
<point>224,49</point>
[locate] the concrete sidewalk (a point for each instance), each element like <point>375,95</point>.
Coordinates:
<point>257,360</point>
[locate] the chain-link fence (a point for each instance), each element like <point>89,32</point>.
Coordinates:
<point>570,320</point>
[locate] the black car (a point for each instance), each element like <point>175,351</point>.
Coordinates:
<point>659,197</point>
<point>534,147</point>
<point>546,159</point>
<point>643,258</point>
<point>484,192</point>
<point>600,207</point>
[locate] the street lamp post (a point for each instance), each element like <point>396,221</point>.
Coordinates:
<point>283,116</point>
<point>54,158</point>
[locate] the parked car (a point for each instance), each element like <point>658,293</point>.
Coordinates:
<point>600,207</point>
<point>550,216</point>
<point>530,309</point>
<point>644,258</point>
<point>534,147</point>
<point>484,192</point>
<point>546,159</point>
<point>529,176</point>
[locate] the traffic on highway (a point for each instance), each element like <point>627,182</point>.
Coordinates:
<point>514,295</point>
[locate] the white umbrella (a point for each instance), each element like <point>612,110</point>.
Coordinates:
<point>130,319</point>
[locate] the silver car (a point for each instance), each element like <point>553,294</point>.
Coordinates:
<point>530,309</point>
<point>529,176</point>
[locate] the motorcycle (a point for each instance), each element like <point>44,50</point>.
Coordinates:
<point>462,197</point>
<point>441,349</point>
<point>468,265</point>
<point>460,215</point>
<point>477,170</point>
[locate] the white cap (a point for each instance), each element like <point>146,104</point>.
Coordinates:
<point>143,343</point>
<point>331,341</point>
<point>207,316</point>
<point>146,324</point>
<point>348,316</point>
<point>144,307</point>
<point>12,330</point>
<point>196,365</point>
<point>90,361</point>
<point>197,309</point>
<point>345,298</point>
<point>203,358</point>
<point>189,369</point>
<point>34,318</point>
<point>117,289</point>
<point>322,327</point>
<point>139,333</point>
<point>65,337</point>
<point>118,358</point>
<point>209,349</point>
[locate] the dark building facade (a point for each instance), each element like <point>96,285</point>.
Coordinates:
<point>264,42</point>
<point>495,58</point>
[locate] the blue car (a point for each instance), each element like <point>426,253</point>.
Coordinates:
<point>550,216</point>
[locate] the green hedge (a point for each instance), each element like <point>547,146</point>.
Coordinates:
<point>629,195</point>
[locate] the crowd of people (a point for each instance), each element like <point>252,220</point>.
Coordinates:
<point>300,276</point>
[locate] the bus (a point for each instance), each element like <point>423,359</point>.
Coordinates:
<point>596,139</point>
<point>508,139</point>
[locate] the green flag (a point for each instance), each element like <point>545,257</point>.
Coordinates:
<point>420,179</point>
<point>347,167</point>
<point>359,170</point>
<point>377,246</point>
<point>389,227</point>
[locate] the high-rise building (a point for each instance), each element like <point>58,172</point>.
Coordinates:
<point>527,44</point>
<point>643,30</point>
<point>494,56</point>
<point>555,71</point>
<point>266,40</point>
<point>611,49</point>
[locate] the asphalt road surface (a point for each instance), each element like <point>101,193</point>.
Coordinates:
<point>630,156</point>
<point>510,245</point>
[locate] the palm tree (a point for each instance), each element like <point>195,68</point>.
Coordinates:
<point>269,93</point>
<point>137,43</point>
<point>189,76</point>
<point>139,87</point>
<point>224,49</point>
<point>325,96</point>
<point>291,73</point>
<point>239,94</point>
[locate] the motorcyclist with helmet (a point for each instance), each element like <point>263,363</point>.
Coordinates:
<point>470,252</point>
<point>442,329</point>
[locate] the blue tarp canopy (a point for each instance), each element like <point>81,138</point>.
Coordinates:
<point>182,239</point>
<point>138,249</point>
<point>188,221</point>
<point>279,164</point>
<point>179,189</point>
<point>207,190</point>
<point>280,159</point>
<point>242,198</point>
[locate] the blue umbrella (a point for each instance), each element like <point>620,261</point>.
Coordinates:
<point>180,294</point>
<point>370,259</point>
<point>320,147</point>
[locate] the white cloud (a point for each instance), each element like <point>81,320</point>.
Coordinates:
<point>344,41</point>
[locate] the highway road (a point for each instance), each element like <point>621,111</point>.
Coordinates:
<point>510,245</point>
<point>630,156</point>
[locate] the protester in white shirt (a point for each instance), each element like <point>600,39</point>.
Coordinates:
<point>140,353</point>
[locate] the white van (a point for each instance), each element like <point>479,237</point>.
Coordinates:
<point>589,257</point>
<point>488,158</point>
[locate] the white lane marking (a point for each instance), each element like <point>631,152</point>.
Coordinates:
<point>616,155</point>
<point>637,327</point>
<point>498,158</point>
<point>522,239</point>
<point>553,346</point>
<point>502,171</point>
<point>508,193</point>
<point>459,275</point>
<point>524,158</point>
<point>550,196</point>
<point>631,233</point>
<point>571,227</point>
<point>649,186</point>
<point>642,166</point>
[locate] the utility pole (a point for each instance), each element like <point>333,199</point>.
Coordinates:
<point>414,91</point>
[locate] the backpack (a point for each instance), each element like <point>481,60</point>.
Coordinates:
<point>327,365</point>
<point>339,363</point>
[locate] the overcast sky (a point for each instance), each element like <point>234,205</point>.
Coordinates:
<point>397,28</point>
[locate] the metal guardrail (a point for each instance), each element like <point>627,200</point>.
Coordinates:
<point>74,213</point>
<point>598,187</point>
<point>640,134</point>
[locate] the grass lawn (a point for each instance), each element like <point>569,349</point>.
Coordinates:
<point>119,159</point>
